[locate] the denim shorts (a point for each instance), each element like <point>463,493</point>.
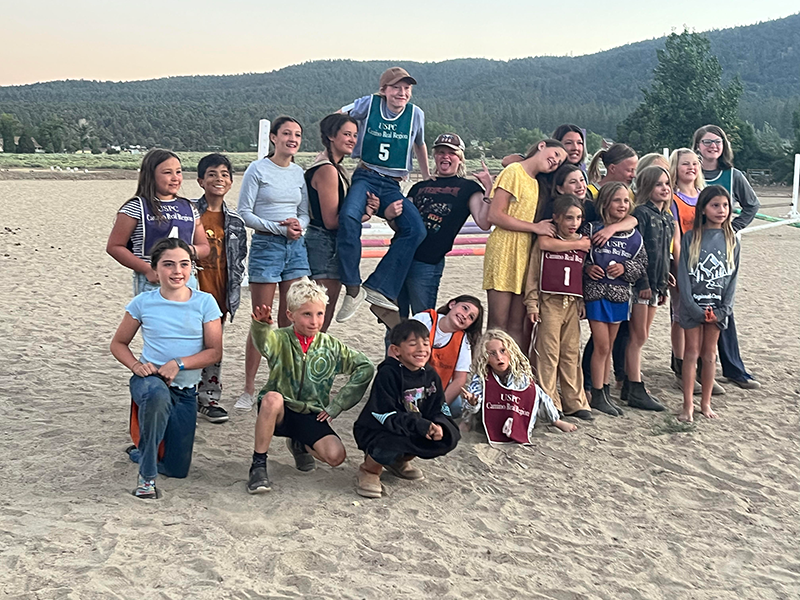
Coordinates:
<point>322,256</point>
<point>653,301</point>
<point>275,258</point>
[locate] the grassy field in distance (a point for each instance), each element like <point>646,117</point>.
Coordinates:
<point>189,160</point>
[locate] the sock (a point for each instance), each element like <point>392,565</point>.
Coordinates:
<point>352,290</point>
<point>259,459</point>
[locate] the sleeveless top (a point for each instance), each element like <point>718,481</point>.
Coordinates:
<point>562,272</point>
<point>725,179</point>
<point>444,359</point>
<point>176,221</point>
<point>685,214</point>
<point>387,142</point>
<point>508,415</point>
<point>313,195</point>
<point>620,247</point>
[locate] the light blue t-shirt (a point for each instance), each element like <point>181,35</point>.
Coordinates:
<point>173,329</point>
<point>359,110</point>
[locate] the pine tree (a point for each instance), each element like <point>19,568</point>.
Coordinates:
<point>686,93</point>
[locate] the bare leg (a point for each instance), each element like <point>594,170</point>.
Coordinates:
<point>260,294</point>
<point>601,356</point>
<point>333,286</point>
<point>270,415</point>
<point>693,340</point>
<point>676,335</point>
<point>329,450</point>
<point>283,288</point>
<point>638,336</point>
<point>708,353</point>
<point>499,305</point>
<point>518,325</point>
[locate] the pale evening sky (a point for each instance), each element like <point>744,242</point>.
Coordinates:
<point>97,39</point>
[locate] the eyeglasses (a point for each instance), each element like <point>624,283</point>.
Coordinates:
<point>707,143</point>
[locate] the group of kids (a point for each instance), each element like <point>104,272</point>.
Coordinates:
<point>567,244</point>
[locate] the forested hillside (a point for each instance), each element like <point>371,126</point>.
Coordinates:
<point>481,99</point>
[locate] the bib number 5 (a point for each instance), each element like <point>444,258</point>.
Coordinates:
<point>383,152</point>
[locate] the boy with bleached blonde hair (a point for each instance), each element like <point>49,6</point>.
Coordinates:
<point>295,403</point>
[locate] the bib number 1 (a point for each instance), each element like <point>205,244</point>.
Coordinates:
<point>383,152</point>
<point>566,276</point>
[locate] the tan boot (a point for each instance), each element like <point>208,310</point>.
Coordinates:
<point>368,484</point>
<point>405,470</point>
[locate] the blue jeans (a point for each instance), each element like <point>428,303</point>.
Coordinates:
<point>391,272</point>
<point>420,288</point>
<point>729,357</point>
<point>166,414</point>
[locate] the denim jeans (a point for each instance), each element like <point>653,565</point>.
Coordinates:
<point>166,414</point>
<point>729,357</point>
<point>420,288</point>
<point>391,272</point>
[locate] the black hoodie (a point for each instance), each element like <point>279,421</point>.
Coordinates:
<point>401,407</point>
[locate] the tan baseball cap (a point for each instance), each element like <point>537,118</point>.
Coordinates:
<point>395,74</point>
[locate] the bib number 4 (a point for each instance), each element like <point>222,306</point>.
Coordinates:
<point>383,152</point>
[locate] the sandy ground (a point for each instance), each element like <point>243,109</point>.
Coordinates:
<point>621,509</point>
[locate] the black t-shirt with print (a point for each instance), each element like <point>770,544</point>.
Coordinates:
<point>443,204</point>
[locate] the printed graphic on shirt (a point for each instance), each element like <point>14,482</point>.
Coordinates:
<point>433,213</point>
<point>711,271</point>
<point>413,397</point>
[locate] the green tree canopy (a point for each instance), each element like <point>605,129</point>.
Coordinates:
<point>686,93</point>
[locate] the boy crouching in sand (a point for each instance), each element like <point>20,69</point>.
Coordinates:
<point>406,414</point>
<point>295,403</point>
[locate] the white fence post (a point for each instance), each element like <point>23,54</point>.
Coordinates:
<point>793,214</point>
<point>263,138</point>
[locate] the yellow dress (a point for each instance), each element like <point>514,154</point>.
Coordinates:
<point>507,252</point>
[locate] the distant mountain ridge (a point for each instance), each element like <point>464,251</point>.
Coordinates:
<point>480,98</point>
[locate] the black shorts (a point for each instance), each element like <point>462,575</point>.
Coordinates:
<point>303,428</point>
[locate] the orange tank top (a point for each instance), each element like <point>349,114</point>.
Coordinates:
<point>444,359</point>
<point>685,214</point>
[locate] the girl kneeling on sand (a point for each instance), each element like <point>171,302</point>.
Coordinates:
<point>499,372</point>
<point>182,334</point>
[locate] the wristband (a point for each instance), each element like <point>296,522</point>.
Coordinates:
<point>487,200</point>
<point>180,364</point>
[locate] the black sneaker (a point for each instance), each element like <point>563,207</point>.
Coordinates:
<point>302,458</point>
<point>213,412</point>
<point>259,482</point>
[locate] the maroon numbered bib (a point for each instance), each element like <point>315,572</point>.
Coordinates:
<point>508,415</point>
<point>562,272</point>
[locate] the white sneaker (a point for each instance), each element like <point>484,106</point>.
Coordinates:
<point>350,305</point>
<point>245,402</point>
<point>379,299</point>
